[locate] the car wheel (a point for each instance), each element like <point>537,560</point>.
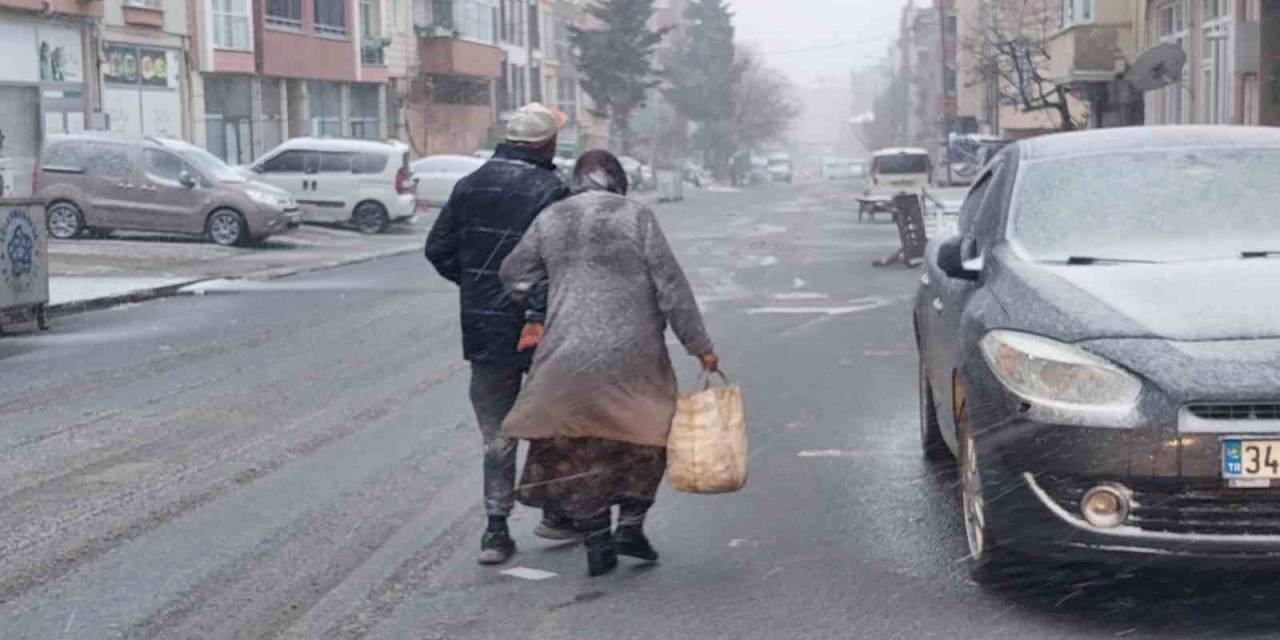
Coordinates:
<point>42,318</point>
<point>64,220</point>
<point>987,560</point>
<point>227,228</point>
<point>370,218</point>
<point>931,443</point>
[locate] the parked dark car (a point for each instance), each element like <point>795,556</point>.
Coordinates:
<point>1100,347</point>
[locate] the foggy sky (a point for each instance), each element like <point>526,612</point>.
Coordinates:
<point>783,25</point>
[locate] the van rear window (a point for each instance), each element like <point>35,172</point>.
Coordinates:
<point>905,163</point>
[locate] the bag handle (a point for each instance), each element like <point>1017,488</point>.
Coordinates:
<point>707,376</point>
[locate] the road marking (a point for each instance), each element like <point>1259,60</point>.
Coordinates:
<point>855,306</point>
<point>801,295</point>
<point>844,453</point>
<point>798,283</point>
<point>768,261</point>
<point>525,573</point>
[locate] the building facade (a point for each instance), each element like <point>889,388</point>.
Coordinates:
<point>47,83</point>
<point>1232,75</point>
<point>267,71</point>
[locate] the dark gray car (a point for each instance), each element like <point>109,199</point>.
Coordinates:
<point>100,182</point>
<point>1100,347</point>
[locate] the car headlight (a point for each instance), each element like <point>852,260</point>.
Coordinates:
<point>265,198</point>
<point>1057,375</point>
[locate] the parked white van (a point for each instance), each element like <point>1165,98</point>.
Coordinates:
<point>364,182</point>
<point>900,170</point>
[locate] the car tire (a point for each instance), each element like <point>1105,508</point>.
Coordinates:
<point>987,562</point>
<point>64,220</point>
<point>932,445</point>
<point>42,318</point>
<point>227,228</point>
<point>370,218</point>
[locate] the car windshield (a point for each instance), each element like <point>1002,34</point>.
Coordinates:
<point>1164,206</point>
<point>208,163</point>
<point>902,164</point>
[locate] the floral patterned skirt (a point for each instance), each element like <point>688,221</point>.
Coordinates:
<point>582,478</point>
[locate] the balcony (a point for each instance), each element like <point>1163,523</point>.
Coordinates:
<point>1089,53</point>
<point>459,57</point>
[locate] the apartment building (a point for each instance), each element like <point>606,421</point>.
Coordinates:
<point>1232,75</point>
<point>267,71</point>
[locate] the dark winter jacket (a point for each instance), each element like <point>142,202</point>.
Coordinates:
<point>485,217</point>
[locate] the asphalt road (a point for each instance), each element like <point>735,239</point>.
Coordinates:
<point>297,459</point>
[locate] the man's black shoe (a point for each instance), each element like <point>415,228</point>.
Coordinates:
<point>496,547</point>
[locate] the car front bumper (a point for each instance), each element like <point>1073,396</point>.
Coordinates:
<point>1035,476</point>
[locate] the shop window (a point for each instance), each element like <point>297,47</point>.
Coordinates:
<point>365,113</point>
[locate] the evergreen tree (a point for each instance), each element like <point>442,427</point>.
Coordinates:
<point>702,74</point>
<point>615,61</point>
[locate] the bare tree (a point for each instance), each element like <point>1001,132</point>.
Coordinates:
<point>764,104</point>
<point>1012,50</point>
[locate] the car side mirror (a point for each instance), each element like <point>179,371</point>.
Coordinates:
<point>187,180</point>
<point>958,259</point>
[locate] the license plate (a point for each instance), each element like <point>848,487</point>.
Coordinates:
<point>1251,459</point>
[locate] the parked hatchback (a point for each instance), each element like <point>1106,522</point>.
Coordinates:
<point>100,182</point>
<point>1100,347</point>
<point>363,182</point>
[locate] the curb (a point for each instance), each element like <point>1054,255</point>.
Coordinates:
<point>171,290</point>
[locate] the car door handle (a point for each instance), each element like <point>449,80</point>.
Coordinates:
<point>938,306</point>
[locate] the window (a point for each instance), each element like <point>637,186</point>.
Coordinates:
<point>231,24</point>
<point>470,19</point>
<point>164,166</point>
<point>364,112</point>
<point>289,162</point>
<point>535,36</point>
<point>331,17</point>
<point>335,162</point>
<point>67,155</point>
<point>284,13</point>
<point>1171,28</point>
<point>326,108</point>
<point>109,161</point>
<point>369,164</point>
<point>1216,63</point>
<point>1076,12</point>
<point>567,96</point>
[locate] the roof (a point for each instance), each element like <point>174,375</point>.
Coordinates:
<point>452,156</point>
<point>899,151</point>
<point>1095,141</point>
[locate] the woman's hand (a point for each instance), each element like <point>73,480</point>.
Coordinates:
<point>531,336</point>
<point>710,362</point>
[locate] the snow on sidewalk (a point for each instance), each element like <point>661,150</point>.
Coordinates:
<point>65,290</point>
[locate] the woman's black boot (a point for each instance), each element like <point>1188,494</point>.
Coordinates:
<point>601,556</point>
<point>630,541</point>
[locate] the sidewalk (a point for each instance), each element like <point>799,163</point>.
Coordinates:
<point>87,274</point>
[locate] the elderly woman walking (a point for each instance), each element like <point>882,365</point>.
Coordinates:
<point>601,395</point>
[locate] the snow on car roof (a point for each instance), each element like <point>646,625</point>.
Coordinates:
<point>340,144</point>
<point>901,151</point>
<point>1082,143</point>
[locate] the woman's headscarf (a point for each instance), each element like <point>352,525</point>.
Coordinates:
<point>599,170</point>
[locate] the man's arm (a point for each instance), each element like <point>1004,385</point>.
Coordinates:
<point>443,241</point>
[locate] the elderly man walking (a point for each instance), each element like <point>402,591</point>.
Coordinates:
<point>483,221</point>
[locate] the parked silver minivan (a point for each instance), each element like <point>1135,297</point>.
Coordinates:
<point>99,182</point>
